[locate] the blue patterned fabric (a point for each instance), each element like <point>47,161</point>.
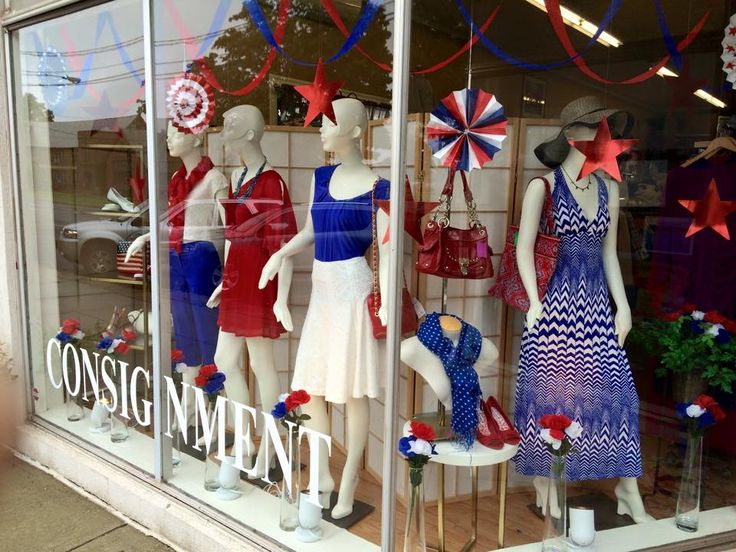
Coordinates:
<point>458,361</point>
<point>343,228</point>
<point>571,362</point>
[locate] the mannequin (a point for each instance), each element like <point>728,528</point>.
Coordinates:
<point>429,366</point>
<point>594,205</point>
<point>341,365</point>
<point>249,316</point>
<point>194,257</point>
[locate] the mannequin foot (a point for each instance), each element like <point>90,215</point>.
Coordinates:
<point>327,485</point>
<point>345,499</point>
<point>541,486</point>
<point>630,504</point>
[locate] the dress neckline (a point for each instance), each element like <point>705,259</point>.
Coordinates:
<point>599,209</point>
<point>333,198</point>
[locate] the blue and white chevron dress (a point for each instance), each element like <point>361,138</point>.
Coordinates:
<point>571,362</point>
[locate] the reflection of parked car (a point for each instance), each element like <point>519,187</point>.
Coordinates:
<point>93,243</point>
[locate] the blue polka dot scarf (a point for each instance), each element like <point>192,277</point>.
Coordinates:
<point>458,362</point>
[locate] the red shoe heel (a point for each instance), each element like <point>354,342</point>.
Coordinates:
<point>508,433</point>
<point>487,433</point>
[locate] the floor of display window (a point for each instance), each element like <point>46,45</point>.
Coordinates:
<point>258,509</point>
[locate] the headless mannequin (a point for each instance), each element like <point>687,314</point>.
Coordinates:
<point>352,178</point>
<point>187,147</point>
<point>627,491</point>
<point>424,362</point>
<point>242,132</point>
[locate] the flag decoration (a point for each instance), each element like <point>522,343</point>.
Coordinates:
<point>319,94</point>
<point>729,51</point>
<point>190,102</point>
<point>709,212</point>
<point>134,266</point>
<point>467,129</point>
<point>601,152</point>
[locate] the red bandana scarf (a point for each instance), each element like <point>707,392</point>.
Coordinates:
<point>179,187</point>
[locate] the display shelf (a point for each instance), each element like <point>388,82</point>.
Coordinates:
<point>118,280</point>
<point>117,214</point>
<point>449,454</point>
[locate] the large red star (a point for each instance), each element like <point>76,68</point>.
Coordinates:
<point>319,94</point>
<point>709,211</point>
<point>413,213</point>
<point>601,152</point>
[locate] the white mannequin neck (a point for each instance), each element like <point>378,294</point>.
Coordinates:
<point>191,159</point>
<point>351,159</point>
<point>573,163</point>
<point>250,153</point>
<point>453,335</point>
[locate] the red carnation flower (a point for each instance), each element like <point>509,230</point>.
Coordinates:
<point>730,326</point>
<point>422,431</point>
<point>555,421</point>
<point>207,370</point>
<point>177,355</point>
<point>717,412</point>
<point>557,434</point>
<point>70,325</point>
<point>297,398</point>
<point>671,316</point>
<point>705,401</point>
<point>714,317</point>
<point>128,335</point>
<point>687,308</point>
<point>201,381</point>
<point>122,348</point>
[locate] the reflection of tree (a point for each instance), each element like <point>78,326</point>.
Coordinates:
<point>239,53</point>
<point>37,110</point>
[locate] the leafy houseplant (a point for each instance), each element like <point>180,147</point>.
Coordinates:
<point>690,341</point>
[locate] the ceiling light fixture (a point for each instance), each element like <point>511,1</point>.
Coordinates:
<point>700,93</point>
<point>580,24</point>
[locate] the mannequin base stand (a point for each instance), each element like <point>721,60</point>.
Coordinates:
<point>478,455</point>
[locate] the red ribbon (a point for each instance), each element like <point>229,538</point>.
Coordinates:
<point>555,18</point>
<point>337,20</point>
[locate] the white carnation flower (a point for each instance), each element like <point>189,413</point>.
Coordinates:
<point>282,397</point>
<point>79,334</point>
<point>180,367</point>
<point>547,438</point>
<point>695,411</point>
<point>420,446</point>
<point>697,315</point>
<point>714,329</point>
<point>574,430</point>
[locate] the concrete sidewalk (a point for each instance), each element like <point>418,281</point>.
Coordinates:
<point>40,514</point>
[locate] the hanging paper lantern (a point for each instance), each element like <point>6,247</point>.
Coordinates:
<point>467,129</point>
<point>190,102</point>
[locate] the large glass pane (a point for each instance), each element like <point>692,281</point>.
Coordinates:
<point>81,156</point>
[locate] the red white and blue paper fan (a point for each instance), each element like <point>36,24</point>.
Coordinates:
<point>467,129</point>
<point>190,102</point>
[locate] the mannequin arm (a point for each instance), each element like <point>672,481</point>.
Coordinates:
<point>531,212</point>
<point>137,245</point>
<point>281,306</point>
<point>303,239</point>
<point>214,300</point>
<point>488,355</point>
<point>613,269</point>
<point>383,254</point>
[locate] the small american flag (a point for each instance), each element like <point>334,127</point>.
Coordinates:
<point>134,265</point>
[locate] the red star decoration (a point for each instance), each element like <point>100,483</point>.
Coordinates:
<point>730,49</point>
<point>105,117</point>
<point>709,211</point>
<point>729,65</point>
<point>601,152</point>
<point>682,88</point>
<point>414,211</point>
<point>319,94</point>
<point>732,31</point>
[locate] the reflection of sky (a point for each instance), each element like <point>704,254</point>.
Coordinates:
<point>104,46</point>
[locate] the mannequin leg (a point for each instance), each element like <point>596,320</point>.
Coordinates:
<point>187,376</point>
<point>260,352</point>
<point>317,409</point>
<point>229,361</point>
<point>541,486</point>
<point>357,412</point>
<point>629,500</point>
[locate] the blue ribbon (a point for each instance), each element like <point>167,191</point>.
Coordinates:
<point>366,17</point>
<point>669,40</point>
<point>217,24</point>
<point>508,58</point>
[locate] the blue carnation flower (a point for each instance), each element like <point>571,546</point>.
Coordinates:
<point>215,383</point>
<point>63,337</point>
<point>723,337</point>
<point>105,343</point>
<point>280,410</point>
<point>682,409</point>
<point>706,419</point>
<point>405,445</point>
<point>696,327</point>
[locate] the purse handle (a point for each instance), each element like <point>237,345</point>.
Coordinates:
<point>547,208</point>
<point>446,202</point>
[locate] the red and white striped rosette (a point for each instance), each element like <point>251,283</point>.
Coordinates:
<point>729,51</point>
<point>190,102</point>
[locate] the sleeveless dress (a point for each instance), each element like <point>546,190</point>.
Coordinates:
<point>256,228</point>
<point>338,355</point>
<point>571,362</point>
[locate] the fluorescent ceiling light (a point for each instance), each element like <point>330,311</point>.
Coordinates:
<point>580,24</point>
<point>700,93</point>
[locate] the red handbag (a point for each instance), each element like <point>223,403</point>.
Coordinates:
<point>409,320</point>
<point>508,286</point>
<point>450,252</point>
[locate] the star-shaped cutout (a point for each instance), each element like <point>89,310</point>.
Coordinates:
<point>105,117</point>
<point>601,152</point>
<point>319,94</point>
<point>730,49</point>
<point>414,211</point>
<point>682,88</point>
<point>732,31</point>
<point>709,211</point>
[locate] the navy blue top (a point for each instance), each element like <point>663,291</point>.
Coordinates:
<point>342,227</point>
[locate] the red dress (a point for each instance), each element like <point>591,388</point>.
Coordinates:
<point>256,228</point>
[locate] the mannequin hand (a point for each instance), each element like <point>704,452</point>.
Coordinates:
<point>137,245</point>
<point>283,315</point>
<point>622,324</point>
<point>214,300</point>
<point>533,314</point>
<point>383,315</point>
<point>270,270</point>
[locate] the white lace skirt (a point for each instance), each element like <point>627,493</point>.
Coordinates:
<point>338,357</point>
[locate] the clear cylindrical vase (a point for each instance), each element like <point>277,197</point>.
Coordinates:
<point>118,427</point>
<point>414,535</point>
<point>555,513</point>
<point>289,510</point>
<point>688,498</point>
<point>74,409</point>
<point>211,465</point>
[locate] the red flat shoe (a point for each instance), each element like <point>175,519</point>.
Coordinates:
<point>487,433</point>
<point>508,433</point>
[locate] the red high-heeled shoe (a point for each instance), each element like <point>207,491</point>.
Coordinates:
<point>508,433</point>
<point>487,433</point>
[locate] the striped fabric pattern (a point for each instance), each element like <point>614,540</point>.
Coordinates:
<point>133,266</point>
<point>571,362</point>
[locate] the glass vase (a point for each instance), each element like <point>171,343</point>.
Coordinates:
<point>118,427</point>
<point>555,516</point>
<point>289,508</point>
<point>688,498</point>
<point>211,465</point>
<point>74,410</point>
<point>414,537</point>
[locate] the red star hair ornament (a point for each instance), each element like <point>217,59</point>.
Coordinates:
<point>709,211</point>
<point>601,152</point>
<point>414,211</point>
<point>319,94</point>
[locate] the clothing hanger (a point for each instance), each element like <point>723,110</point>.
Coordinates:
<point>722,143</point>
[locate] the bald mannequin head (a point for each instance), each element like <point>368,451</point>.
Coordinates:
<point>243,121</point>
<point>350,116</point>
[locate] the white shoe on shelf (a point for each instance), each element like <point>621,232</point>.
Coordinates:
<point>113,207</point>
<point>116,197</point>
